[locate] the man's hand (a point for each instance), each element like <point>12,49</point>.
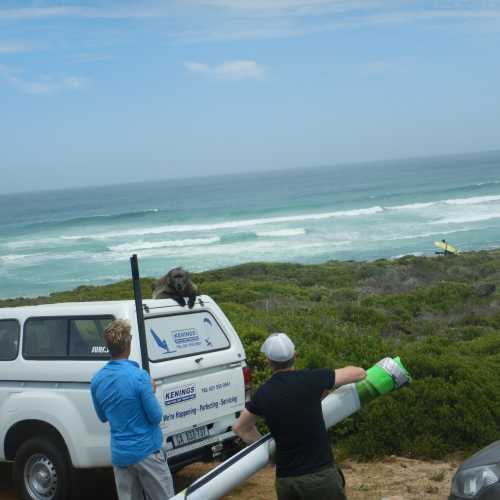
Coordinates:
<point>153,383</point>
<point>245,427</point>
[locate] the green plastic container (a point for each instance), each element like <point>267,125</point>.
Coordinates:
<point>380,379</point>
<point>378,382</point>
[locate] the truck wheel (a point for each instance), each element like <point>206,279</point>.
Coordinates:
<point>42,470</point>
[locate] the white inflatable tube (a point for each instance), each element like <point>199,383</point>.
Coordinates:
<point>337,406</point>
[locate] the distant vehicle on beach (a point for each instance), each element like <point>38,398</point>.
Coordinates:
<point>49,353</point>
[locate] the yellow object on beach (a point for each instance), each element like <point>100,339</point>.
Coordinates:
<point>446,247</point>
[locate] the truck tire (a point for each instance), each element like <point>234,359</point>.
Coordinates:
<point>42,470</point>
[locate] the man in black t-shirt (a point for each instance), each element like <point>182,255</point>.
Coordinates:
<point>290,403</point>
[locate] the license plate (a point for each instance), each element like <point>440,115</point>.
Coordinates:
<point>190,436</point>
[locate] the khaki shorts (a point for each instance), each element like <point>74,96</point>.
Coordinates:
<point>325,484</point>
<point>148,479</point>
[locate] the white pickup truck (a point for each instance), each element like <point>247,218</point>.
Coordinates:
<point>49,353</point>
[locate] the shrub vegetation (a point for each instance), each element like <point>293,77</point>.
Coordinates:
<point>428,310</point>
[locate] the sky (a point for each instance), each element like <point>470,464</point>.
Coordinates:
<point>111,91</point>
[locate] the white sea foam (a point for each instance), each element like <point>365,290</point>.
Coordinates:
<point>13,258</point>
<point>81,237</point>
<point>415,254</point>
<point>487,183</point>
<point>229,224</point>
<point>25,260</point>
<point>93,279</point>
<point>282,233</point>
<point>461,219</point>
<point>333,244</point>
<point>18,244</point>
<point>413,206</point>
<point>421,235</point>
<point>245,250</point>
<point>474,200</point>
<point>144,245</point>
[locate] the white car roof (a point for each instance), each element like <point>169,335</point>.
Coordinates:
<point>94,307</point>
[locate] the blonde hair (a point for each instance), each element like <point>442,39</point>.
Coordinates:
<point>117,336</point>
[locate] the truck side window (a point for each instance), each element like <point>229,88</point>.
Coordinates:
<point>45,338</point>
<point>9,339</point>
<point>86,337</point>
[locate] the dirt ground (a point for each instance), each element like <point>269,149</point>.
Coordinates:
<point>392,478</point>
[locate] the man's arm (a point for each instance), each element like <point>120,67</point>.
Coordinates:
<point>245,427</point>
<point>97,406</point>
<point>149,402</point>
<point>348,375</point>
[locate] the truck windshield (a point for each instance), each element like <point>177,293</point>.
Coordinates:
<point>182,335</point>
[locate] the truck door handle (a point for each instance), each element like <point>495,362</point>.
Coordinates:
<point>198,360</point>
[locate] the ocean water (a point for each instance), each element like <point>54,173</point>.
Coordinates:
<point>58,240</point>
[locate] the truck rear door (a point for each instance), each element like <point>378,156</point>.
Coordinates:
<point>198,369</point>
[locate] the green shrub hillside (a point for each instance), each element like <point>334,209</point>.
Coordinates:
<point>440,314</point>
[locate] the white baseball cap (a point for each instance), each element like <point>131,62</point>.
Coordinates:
<point>278,347</point>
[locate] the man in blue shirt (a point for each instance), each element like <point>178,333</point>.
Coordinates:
<point>123,395</point>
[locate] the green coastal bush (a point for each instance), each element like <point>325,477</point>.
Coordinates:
<point>453,403</point>
<point>424,309</point>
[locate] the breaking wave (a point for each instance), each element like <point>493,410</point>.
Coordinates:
<point>413,206</point>
<point>460,219</point>
<point>145,245</point>
<point>231,224</point>
<point>282,233</point>
<point>91,219</point>
<point>474,200</point>
<point>26,260</point>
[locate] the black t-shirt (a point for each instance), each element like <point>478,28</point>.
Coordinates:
<point>290,402</point>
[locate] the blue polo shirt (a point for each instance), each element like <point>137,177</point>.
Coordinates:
<point>122,394</point>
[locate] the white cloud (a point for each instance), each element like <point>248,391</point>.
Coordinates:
<point>195,67</point>
<point>298,7</point>
<point>229,70</point>
<point>39,12</point>
<point>90,58</point>
<point>155,9</point>
<point>267,19</point>
<point>240,70</point>
<point>42,86</point>
<point>402,17</point>
<point>48,85</point>
<point>356,10</point>
<point>252,9</point>
<point>382,66</point>
<point>62,11</point>
<point>221,20</point>
<point>245,31</point>
<point>15,47</point>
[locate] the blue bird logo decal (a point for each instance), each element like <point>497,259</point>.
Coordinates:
<point>162,343</point>
<point>208,324</point>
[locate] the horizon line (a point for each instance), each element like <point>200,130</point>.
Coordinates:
<point>251,172</point>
